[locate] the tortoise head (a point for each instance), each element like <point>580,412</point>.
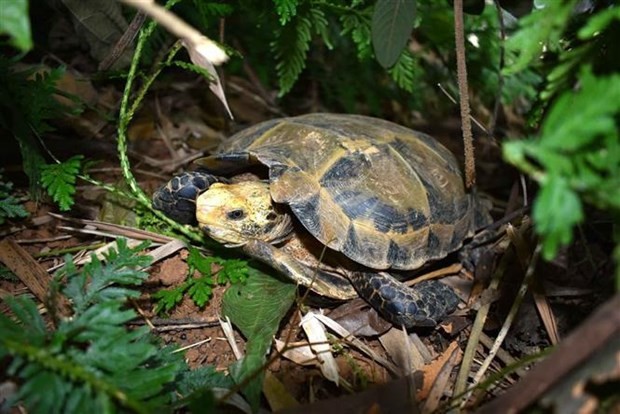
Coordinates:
<point>234,214</point>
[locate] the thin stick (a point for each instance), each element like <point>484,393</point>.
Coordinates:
<point>461,70</point>
<point>510,318</point>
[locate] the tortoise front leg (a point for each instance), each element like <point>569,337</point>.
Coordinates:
<point>325,283</point>
<point>177,198</point>
<point>424,304</point>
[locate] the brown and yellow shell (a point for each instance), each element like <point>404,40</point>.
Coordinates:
<point>382,194</point>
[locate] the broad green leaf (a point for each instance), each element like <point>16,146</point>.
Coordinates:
<point>392,22</point>
<point>556,210</point>
<point>599,22</point>
<point>577,118</point>
<point>15,22</point>
<point>256,308</point>
<point>543,28</point>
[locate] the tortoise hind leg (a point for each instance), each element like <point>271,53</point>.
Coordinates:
<point>424,304</point>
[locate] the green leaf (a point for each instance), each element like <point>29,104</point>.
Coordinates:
<point>292,44</point>
<point>392,22</point>
<point>10,207</point>
<point>200,290</point>
<point>15,23</point>
<point>543,28</point>
<point>599,22</point>
<point>556,210</point>
<point>577,118</point>
<point>286,9</point>
<point>405,71</point>
<point>167,299</point>
<point>233,270</point>
<point>90,362</point>
<point>197,261</point>
<point>256,308</point>
<point>97,282</point>
<point>359,28</point>
<point>59,180</point>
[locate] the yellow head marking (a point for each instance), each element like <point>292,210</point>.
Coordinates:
<point>234,214</point>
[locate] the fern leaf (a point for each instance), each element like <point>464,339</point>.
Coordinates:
<point>200,290</point>
<point>405,71</point>
<point>59,180</point>
<point>98,282</point>
<point>291,48</point>
<point>10,207</point>
<point>90,362</point>
<point>359,28</point>
<point>234,271</point>
<point>286,9</point>
<point>292,44</point>
<point>167,299</point>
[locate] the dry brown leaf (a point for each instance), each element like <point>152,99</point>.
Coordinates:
<point>432,370</point>
<point>35,277</point>
<point>276,394</point>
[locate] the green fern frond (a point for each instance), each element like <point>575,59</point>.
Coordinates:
<point>291,48</point>
<point>91,362</point>
<point>59,180</point>
<point>359,29</point>
<point>405,71</point>
<point>10,207</point>
<point>193,68</point>
<point>286,9</point>
<point>27,104</point>
<point>292,44</point>
<point>200,289</point>
<point>98,282</point>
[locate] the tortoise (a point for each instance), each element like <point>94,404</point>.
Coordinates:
<point>345,205</point>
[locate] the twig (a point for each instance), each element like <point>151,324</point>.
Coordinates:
<point>444,271</point>
<point>511,315</point>
<point>124,41</point>
<point>180,29</point>
<point>602,327</point>
<point>476,329</point>
<point>461,70</point>
<point>43,240</point>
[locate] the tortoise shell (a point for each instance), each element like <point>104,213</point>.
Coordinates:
<point>383,195</point>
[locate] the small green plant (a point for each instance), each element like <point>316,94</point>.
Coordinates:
<point>15,23</point>
<point>59,180</point>
<point>199,289</point>
<point>10,207</point>
<point>28,105</point>
<point>91,362</point>
<point>576,155</point>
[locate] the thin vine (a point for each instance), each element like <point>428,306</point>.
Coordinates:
<point>126,114</point>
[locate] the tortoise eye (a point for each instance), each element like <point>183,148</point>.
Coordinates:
<point>235,214</point>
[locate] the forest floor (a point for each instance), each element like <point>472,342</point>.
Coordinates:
<point>177,125</point>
